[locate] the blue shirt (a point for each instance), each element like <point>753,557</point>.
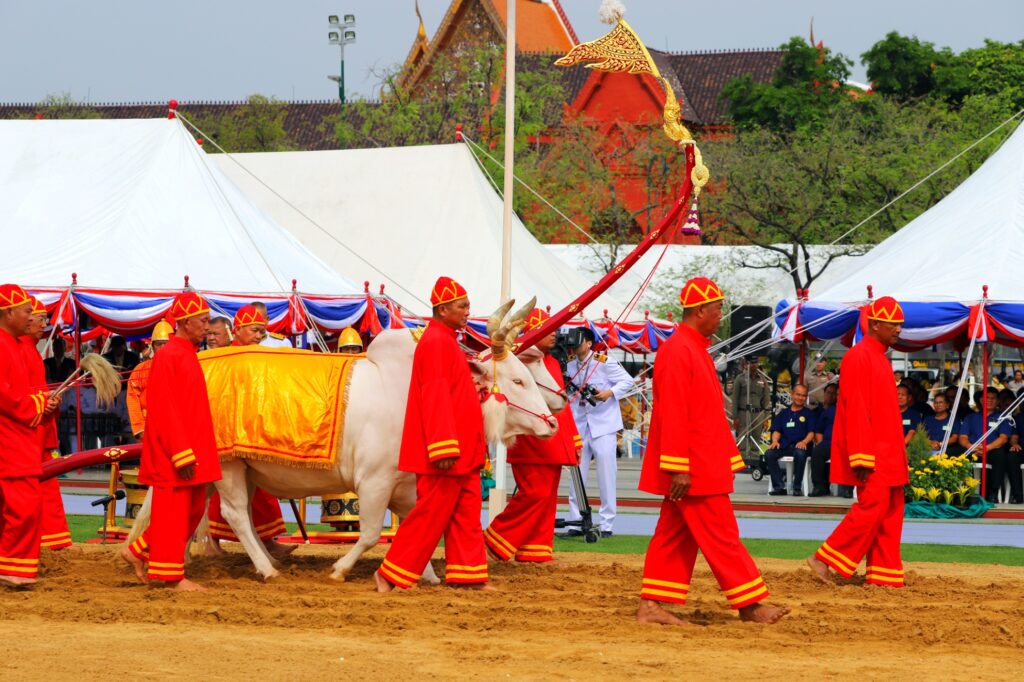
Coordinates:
<point>826,420</point>
<point>973,427</point>
<point>911,420</point>
<point>793,425</point>
<point>937,428</point>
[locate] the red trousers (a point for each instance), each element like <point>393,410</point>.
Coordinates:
<point>525,530</point>
<point>20,507</point>
<point>873,526</point>
<point>446,506</point>
<point>177,512</point>
<point>707,523</point>
<point>54,524</point>
<point>266,518</point>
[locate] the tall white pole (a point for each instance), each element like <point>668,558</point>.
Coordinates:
<point>496,501</point>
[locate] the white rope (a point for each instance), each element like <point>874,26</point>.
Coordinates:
<point>318,337</point>
<point>298,210</point>
<point>1003,416</point>
<point>963,374</point>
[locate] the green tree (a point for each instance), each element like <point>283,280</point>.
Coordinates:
<point>63,106</point>
<point>256,126</point>
<point>905,67</point>
<point>807,87</point>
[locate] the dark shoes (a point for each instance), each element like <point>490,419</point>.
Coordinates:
<point>777,491</point>
<point>818,492</point>
<point>797,493</point>
<point>573,533</point>
<point>606,533</point>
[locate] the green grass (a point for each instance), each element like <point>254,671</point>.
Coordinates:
<point>84,528</point>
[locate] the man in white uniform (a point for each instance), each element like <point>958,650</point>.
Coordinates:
<point>598,424</point>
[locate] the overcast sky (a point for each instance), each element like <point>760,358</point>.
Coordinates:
<point>140,50</point>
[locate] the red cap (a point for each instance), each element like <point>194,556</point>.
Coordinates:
<point>249,315</point>
<point>886,309</point>
<point>537,318</point>
<point>37,306</point>
<point>188,304</point>
<point>12,296</point>
<point>446,290</point>
<point>698,291</point>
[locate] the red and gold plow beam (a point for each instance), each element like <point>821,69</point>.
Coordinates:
<point>622,51</point>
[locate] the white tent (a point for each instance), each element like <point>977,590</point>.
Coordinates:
<point>406,215</point>
<point>137,204</point>
<point>973,237</point>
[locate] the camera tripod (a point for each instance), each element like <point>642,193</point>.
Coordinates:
<point>586,524</point>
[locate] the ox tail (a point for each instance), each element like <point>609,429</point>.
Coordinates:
<point>495,413</point>
<point>201,539</point>
<point>141,522</point>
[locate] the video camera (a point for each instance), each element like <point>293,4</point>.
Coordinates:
<point>566,343</point>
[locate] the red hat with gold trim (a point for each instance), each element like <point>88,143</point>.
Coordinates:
<point>12,296</point>
<point>37,306</point>
<point>699,291</point>
<point>446,290</point>
<point>886,309</point>
<point>536,318</point>
<point>249,315</point>
<point>188,304</point>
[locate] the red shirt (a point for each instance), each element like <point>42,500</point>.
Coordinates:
<point>689,430</point>
<point>442,415</point>
<point>868,430</point>
<point>21,411</point>
<point>560,449</point>
<point>37,380</point>
<point>179,427</point>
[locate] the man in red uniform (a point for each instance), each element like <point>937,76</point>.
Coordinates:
<point>690,459</point>
<point>525,529</point>
<point>249,326</point>
<point>22,410</point>
<point>443,444</point>
<point>53,522</point>
<point>179,450</point>
<point>869,451</point>
<point>135,396</point>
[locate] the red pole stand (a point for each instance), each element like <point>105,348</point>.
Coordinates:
<point>984,420</point>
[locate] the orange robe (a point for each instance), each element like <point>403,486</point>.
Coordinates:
<point>525,529</point>
<point>178,433</point>
<point>135,397</point>
<point>21,413</point>
<point>690,434</point>
<point>54,531</point>
<point>442,420</point>
<point>868,434</point>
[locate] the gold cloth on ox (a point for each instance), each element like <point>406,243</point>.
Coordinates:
<point>278,404</point>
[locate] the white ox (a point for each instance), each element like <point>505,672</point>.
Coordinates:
<point>367,461</point>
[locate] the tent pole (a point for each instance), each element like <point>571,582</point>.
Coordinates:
<point>496,499</point>
<point>803,362</point>
<point>984,419</point>
<point>78,386</point>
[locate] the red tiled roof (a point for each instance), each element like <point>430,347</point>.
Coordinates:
<point>704,74</point>
<point>538,26</point>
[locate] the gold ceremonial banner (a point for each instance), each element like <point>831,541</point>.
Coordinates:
<point>278,404</point>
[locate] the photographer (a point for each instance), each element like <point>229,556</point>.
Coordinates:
<point>602,383</point>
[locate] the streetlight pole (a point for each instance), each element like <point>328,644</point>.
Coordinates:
<point>342,34</point>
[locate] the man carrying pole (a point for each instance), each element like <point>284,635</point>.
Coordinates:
<point>691,459</point>
<point>870,452</point>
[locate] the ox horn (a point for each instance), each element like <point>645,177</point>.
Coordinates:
<point>519,317</point>
<point>496,329</point>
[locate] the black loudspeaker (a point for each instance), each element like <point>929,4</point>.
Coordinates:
<point>743,318</point>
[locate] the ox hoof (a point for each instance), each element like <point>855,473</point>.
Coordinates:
<point>337,576</point>
<point>270,576</point>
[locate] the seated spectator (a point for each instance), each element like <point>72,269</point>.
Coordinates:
<point>792,434</point>
<point>59,367</point>
<point>998,440</point>
<point>1014,459</point>
<point>963,409</point>
<point>939,423</point>
<point>823,442</point>
<point>1016,383</point>
<point>123,359</point>
<point>1005,399</point>
<point>911,417</point>
<point>919,397</point>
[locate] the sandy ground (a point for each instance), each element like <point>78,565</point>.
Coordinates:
<point>571,620</point>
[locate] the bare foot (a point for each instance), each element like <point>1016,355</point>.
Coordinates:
<point>186,585</point>
<point>383,586</point>
<point>820,569</point>
<point>651,611</point>
<point>763,613</point>
<point>136,563</point>
<point>484,587</point>
<point>279,550</point>
<point>17,582</point>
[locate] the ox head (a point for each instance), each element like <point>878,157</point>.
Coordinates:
<point>554,397</point>
<point>524,411</point>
